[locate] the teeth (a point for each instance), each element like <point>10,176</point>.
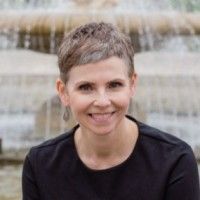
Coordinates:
<point>101,117</point>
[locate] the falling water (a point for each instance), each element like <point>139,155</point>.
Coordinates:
<point>168,68</point>
<point>27,92</point>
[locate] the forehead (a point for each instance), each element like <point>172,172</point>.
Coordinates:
<point>110,68</point>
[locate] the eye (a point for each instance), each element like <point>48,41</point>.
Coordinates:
<point>85,87</point>
<point>115,84</point>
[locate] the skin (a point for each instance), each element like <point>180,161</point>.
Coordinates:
<point>98,95</point>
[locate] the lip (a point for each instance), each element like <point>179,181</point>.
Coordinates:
<point>101,118</point>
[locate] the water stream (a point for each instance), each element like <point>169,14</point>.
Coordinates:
<point>26,85</point>
<point>168,67</point>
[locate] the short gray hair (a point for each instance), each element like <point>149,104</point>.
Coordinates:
<point>91,43</point>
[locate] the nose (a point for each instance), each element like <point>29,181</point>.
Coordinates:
<point>102,100</point>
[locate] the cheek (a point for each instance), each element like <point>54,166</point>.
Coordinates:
<point>78,103</point>
<point>123,99</point>
<point>123,102</point>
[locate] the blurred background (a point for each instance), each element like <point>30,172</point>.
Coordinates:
<point>166,39</point>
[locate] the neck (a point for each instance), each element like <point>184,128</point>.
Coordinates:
<point>114,145</point>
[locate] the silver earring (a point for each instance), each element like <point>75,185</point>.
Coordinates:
<point>66,114</point>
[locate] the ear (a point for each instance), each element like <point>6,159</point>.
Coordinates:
<point>133,81</point>
<point>62,92</point>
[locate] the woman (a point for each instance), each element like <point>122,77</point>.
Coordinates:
<point>108,154</point>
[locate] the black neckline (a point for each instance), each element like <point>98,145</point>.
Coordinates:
<point>116,167</point>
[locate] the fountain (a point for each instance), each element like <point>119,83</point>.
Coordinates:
<point>166,39</point>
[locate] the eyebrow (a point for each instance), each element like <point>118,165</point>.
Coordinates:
<point>84,82</point>
<point>93,83</point>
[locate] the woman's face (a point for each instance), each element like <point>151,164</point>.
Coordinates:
<point>98,94</point>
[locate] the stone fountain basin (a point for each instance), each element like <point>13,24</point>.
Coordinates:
<point>43,22</point>
<point>170,81</point>
<point>167,64</point>
<point>27,62</point>
<point>161,75</point>
<point>168,84</point>
<point>43,30</point>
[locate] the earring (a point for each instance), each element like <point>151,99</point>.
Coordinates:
<point>66,114</point>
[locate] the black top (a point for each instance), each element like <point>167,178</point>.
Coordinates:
<point>161,167</point>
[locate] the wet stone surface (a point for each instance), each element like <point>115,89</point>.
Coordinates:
<point>10,184</point>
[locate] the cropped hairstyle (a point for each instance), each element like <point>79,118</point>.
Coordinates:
<point>91,43</point>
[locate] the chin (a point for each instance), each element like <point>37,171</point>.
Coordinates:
<point>103,130</point>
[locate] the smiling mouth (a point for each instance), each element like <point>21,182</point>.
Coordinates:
<point>101,117</point>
